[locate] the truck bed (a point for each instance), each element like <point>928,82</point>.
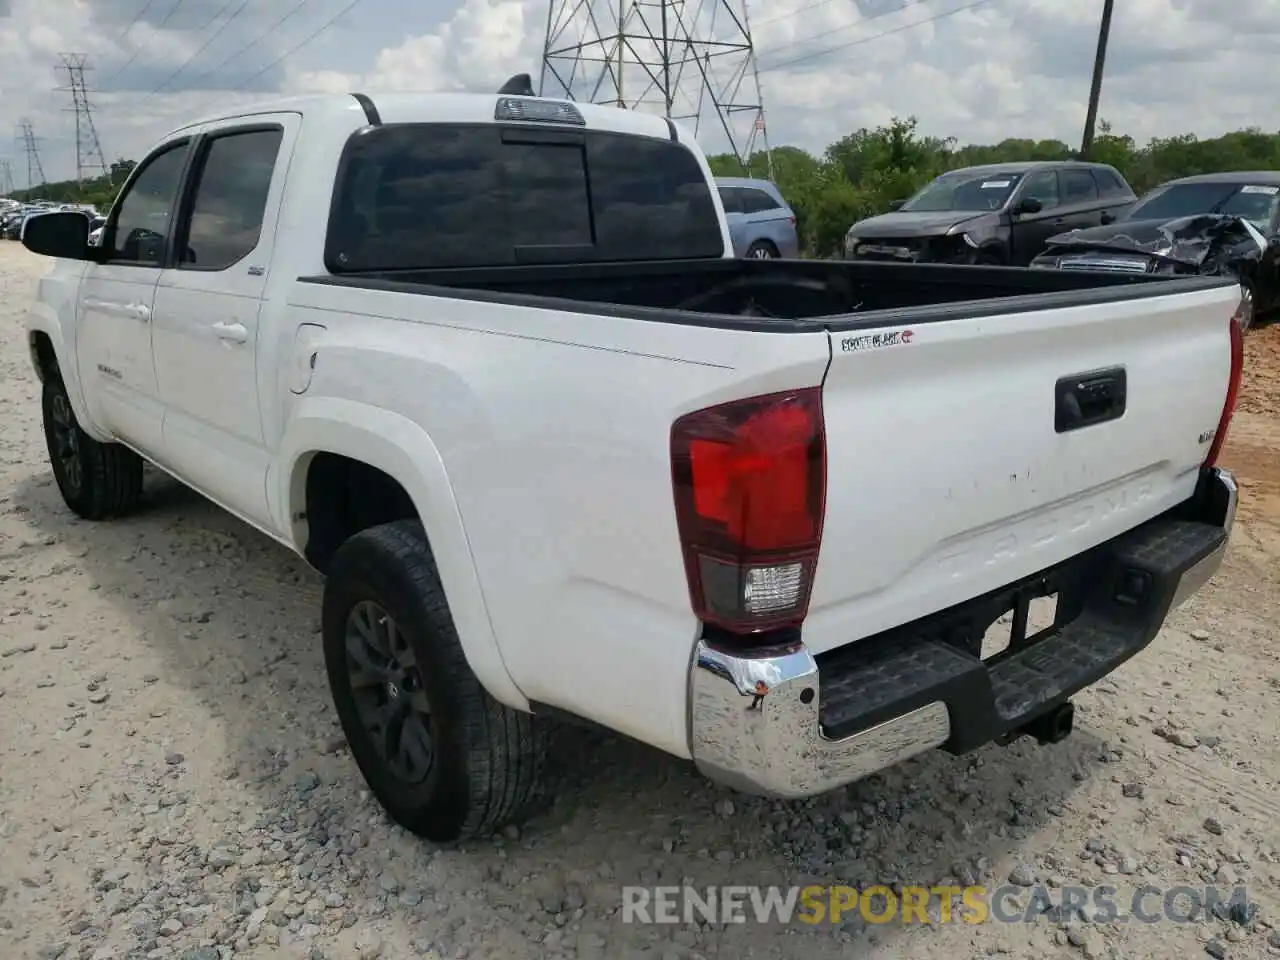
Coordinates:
<point>775,295</point>
<point>953,464</point>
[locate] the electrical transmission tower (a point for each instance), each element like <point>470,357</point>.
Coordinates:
<point>6,177</point>
<point>31,143</point>
<point>688,61</point>
<point>88,146</point>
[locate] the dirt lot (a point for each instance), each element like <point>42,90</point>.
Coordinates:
<point>173,784</point>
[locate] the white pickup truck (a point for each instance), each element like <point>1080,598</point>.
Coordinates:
<point>486,363</point>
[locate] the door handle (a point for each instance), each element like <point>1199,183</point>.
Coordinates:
<point>231,332</point>
<point>1085,399</point>
<point>114,308</point>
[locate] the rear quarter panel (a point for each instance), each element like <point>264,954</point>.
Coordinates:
<point>553,429</point>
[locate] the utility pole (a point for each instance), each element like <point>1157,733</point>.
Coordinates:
<point>31,143</point>
<point>88,146</point>
<point>1099,58</point>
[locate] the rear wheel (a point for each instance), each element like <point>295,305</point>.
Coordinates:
<point>96,480</point>
<point>444,759</point>
<point>762,250</point>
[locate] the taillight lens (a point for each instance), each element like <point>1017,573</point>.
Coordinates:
<point>1233,388</point>
<point>750,485</point>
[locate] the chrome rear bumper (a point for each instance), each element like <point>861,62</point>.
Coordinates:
<point>755,722</point>
<point>1223,491</point>
<point>772,743</point>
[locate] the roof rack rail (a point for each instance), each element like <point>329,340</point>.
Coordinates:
<point>521,85</point>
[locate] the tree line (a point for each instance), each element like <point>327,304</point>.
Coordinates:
<point>859,174</point>
<point>100,191</point>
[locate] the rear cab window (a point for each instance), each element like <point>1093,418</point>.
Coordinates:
<point>421,196</point>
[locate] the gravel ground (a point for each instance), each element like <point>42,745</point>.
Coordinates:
<point>173,783</point>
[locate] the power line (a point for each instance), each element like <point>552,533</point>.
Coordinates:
<point>298,46</point>
<point>848,26</point>
<point>822,3</point>
<point>203,47</point>
<point>243,50</point>
<point>875,36</point>
<point>160,26</point>
<point>169,16</point>
<point>134,22</point>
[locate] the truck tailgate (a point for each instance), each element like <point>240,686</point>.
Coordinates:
<point>958,461</point>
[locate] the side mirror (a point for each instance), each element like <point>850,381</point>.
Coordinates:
<point>1028,205</point>
<point>64,235</point>
<point>896,204</point>
<point>1108,217</point>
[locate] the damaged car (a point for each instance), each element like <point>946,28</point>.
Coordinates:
<point>994,214</point>
<point>1212,224</point>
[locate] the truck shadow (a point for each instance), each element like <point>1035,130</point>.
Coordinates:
<point>233,621</point>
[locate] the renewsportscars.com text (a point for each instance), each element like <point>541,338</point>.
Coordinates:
<point>944,904</point>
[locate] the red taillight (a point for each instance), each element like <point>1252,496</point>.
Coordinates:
<point>750,483</point>
<point>1233,388</point>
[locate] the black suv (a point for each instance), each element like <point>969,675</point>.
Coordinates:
<point>997,213</point>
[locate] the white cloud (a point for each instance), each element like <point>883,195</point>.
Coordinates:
<point>1004,68</point>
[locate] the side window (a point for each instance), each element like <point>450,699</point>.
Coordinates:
<point>1109,183</point>
<point>143,221</point>
<point>230,199</point>
<point>731,197</point>
<point>1077,186</point>
<point>1043,185</point>
<point>757,201</point>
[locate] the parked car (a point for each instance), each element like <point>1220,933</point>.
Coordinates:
<point>557,452</point>
<point>761,223</point>
<point>1213,224</point>
<point>1000,213</point>
<point>11,222</point>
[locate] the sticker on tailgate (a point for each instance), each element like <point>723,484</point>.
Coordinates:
<point>874,341</point>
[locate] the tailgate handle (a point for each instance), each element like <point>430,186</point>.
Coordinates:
<point>1084,399</point>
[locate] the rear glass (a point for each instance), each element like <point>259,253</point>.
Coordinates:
<point>419,196</point>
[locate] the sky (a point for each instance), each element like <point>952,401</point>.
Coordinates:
<point>976,70</point>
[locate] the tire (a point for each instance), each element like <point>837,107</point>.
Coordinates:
<point>762,250</point>
<point>989,258</point>
<point>96,480</point>
<point>483,764</point>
